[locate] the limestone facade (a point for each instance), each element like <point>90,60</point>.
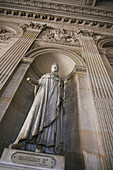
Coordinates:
<point>78,36</point>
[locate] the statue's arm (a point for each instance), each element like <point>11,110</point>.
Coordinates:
<point>34,83</point>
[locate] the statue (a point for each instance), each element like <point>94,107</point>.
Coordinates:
<point>42,128</point>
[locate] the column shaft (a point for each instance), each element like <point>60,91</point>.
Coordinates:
<point>12,57</point>
<point>103,95</point>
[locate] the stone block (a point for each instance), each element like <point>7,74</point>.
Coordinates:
<point>22,160</point>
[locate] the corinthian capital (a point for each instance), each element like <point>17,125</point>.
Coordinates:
<point>33,26</point>
<point>88,33</point>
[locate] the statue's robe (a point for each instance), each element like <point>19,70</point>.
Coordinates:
<point>44,120</point>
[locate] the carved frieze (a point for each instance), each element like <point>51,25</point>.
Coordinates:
<point>13,1</point>
<point>31,25</point>
<point>29,2</point>
<point>23,2</point>
<point>61,36</point>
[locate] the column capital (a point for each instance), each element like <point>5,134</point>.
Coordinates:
<point>78,70</point>
<point>26,60</point>
<point>102,51</point>
<point>86,33</point>
<point>81,69</point>
<point>33,26</point>
<point>98,37</point>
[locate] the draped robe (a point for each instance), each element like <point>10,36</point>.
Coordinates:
<point>44,120</point>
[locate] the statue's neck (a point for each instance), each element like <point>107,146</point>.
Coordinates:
<point>55,73</point>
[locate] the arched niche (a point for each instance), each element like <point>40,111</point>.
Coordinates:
<point>70,63</point>
<point>105,45</point>
<point>45,57</point>
<point>16,114</point>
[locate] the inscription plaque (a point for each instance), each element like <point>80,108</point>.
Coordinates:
<point>33,160</point>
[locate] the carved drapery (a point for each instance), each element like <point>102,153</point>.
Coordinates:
<point>12,57</point>
<point>103,94</point>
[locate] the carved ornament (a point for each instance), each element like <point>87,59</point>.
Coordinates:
<point>98,37</point>
<point>33,26</point>
<point>85,33</point>
<point>61,36</point>
<point>4,36</point>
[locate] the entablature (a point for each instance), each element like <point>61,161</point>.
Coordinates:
<point>58,8</point>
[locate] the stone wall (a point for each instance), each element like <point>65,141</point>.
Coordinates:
<point>89,88</point>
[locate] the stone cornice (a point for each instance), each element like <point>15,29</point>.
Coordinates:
<point>85,12</point>
<point>97,29</point>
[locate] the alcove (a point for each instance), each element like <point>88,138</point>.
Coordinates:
<point>16,113</point>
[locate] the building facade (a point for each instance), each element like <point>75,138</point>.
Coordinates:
<point>78,36</point>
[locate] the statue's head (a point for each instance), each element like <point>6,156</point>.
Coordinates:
<point>55,68</point>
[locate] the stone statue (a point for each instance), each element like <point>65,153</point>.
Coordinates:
<point>42,129</point>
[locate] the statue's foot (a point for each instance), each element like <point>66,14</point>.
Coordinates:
<point>39,150</point>
<point>12,146</point>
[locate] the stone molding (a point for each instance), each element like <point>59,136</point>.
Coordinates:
<point>63,9</point>
<point>98,27</point>
<point>61,6</point>
<point>26,60</point>
<point>35,52</point>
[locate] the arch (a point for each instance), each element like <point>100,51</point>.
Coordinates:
<point>106,46</point>
<point>105,42</point>
<point>44,57</point>
<point>14,28</point>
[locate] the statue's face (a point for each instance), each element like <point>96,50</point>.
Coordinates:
<point>54,68</point>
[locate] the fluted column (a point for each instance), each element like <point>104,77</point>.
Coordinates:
<point>103,95</point>
<point>12,57</point>
<point>12,87</point>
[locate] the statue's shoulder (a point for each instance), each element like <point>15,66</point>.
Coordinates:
<point>46,76</point>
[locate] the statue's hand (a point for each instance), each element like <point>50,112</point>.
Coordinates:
<point>28,79</point>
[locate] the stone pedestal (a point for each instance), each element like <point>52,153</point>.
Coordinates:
<point>22,160</point>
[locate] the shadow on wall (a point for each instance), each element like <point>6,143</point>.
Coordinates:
<point>72,151</point>
<point>16,114</point>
